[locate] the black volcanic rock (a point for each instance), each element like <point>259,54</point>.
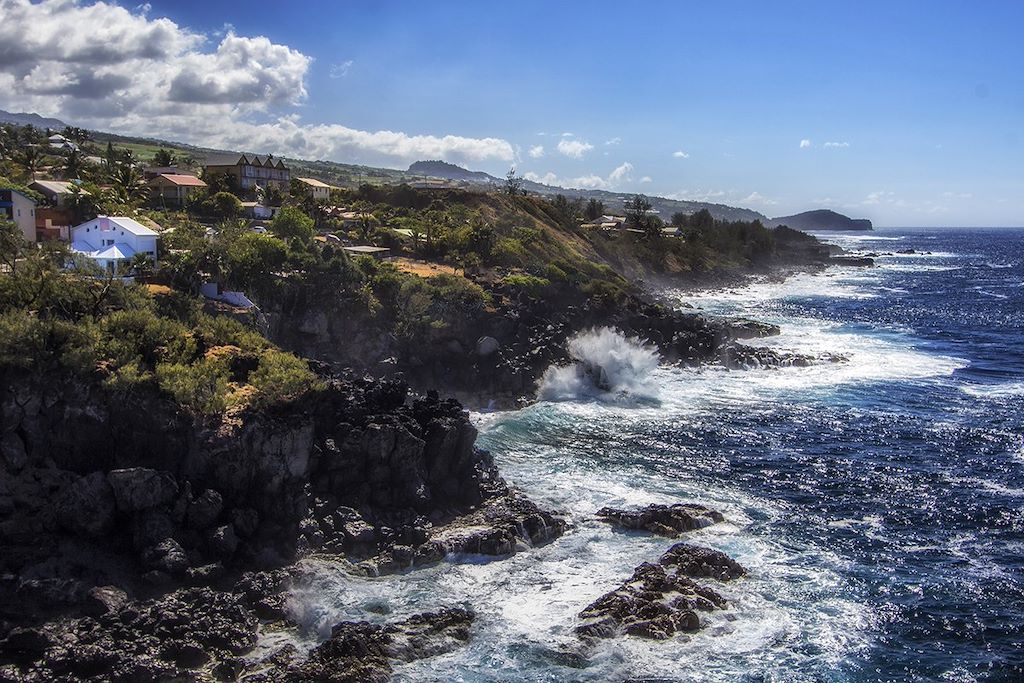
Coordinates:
<point>664,520</point>
<point>822,219</point>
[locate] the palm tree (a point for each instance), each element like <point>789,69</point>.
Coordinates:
<point>30,158</point>
<point>141,265</point>
<point>127,186</point>
<point>74,164</point>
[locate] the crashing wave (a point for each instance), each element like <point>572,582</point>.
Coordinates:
<point>606,365</point>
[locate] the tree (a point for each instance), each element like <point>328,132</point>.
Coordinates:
<point>30,159</point>
<point>594,210</point>
<point>636,211</point>
<point>513,183</point>
<point>127,186</point>
<point>225,205</point>
<point>163,158</point>
<point>12,244</point>
<point>141,264</point>
<point>702,220</point>
<point>74,164</point>
<point>680,219</point>
<point>290,222</point>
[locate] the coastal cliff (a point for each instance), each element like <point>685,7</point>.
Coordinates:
<point>106,501</point>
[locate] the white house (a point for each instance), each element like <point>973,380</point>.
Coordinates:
<point>319,190</point>
<point>112,241</point>
<point>14,206</point>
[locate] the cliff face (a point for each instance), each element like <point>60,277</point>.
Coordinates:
<point>100,488</point>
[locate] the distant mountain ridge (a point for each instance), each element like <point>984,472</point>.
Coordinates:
<point>26,119</point>
<point>822,219</point>
<point>443,169</point>
<point>614,201</point>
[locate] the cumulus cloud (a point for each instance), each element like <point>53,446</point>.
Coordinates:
<point>613,141</point>
<point>341,70</point>
<point>680,154</point>
<point>836,145</point>
<point>103,66</point>
<point>646,179</point>
<point>537,151</point>
<point>620,175</point>
<point>805,143</point>
<point>732,197</point>
<point>574,148</point>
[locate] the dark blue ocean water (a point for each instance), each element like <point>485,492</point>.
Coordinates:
<point>876,502</point>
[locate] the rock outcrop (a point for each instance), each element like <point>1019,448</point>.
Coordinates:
<point>660,600</point>
<point>664,520</point>
<point>117,501</point>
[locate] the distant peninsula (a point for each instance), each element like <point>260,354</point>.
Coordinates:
<point>822,219</point>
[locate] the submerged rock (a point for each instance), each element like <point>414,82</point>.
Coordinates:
<point>664,520</point>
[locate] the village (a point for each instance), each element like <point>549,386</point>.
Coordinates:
<point>116,211</point>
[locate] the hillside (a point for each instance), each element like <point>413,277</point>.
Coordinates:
<point>25,119</point>
<point>822,219</point>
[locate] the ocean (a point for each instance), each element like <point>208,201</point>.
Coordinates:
<point>876,502</point>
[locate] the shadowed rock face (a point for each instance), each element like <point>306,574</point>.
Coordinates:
<point>358,469</point>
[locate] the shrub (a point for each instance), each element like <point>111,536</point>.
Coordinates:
<point>201,387</point>
<point>280,376</point>
<point>531,284</point>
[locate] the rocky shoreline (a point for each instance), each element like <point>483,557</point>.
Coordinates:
<point>143,543</point>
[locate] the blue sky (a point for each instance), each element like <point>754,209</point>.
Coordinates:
<point>906,113</point>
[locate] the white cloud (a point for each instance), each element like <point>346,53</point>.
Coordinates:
<point>537,151</point>
<point>758,199</point>
<point>805,143</point>
<point>341,70</point>
<point>548,178</point>
<point>613,141</point>
<point>731,197</point>
<point>102,66</point>
<point>680,154</point>
<point>620,175</point>
<point>568,135</point>
<point>646,179</point>
<point>836,145</point>
<point>574,148</point>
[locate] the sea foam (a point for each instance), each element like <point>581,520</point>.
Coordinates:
<point>607,365</point>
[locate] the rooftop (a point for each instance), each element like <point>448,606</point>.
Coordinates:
<point>313,182</point>
<point>182,179</point>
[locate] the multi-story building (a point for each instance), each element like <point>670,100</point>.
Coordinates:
<point>111,241</point>
<point>250,170</point>
<point>14,206</point>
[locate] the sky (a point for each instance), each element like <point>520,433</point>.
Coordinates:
<point>907,113</point>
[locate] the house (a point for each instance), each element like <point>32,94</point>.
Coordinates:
<point>58,141</point>
<point>56,192</point>
<point>319,190</point>
<point>150,172</point>
<point>15,206</point>
<point>175,188</point>
<point>379,253</point>
<point>112,241</point>
<point>606,222</point>
<point>250,170</point>
<point>259,212</point>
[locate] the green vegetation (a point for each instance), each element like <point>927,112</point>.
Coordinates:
<point>54,320</point>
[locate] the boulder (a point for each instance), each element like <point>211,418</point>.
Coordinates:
<point>697,561</point>
<point>222,541</point>
<point>485,346</point>
<point>204,510</point>
<point>140,488</point>
<point>13,450</point>
<point>664,520</point>
<point>87,506</point>
<point>102,600</point>
<point>166,556</point>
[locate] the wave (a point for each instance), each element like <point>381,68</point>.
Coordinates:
<point>607,365</point>
<point>995,391</point>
